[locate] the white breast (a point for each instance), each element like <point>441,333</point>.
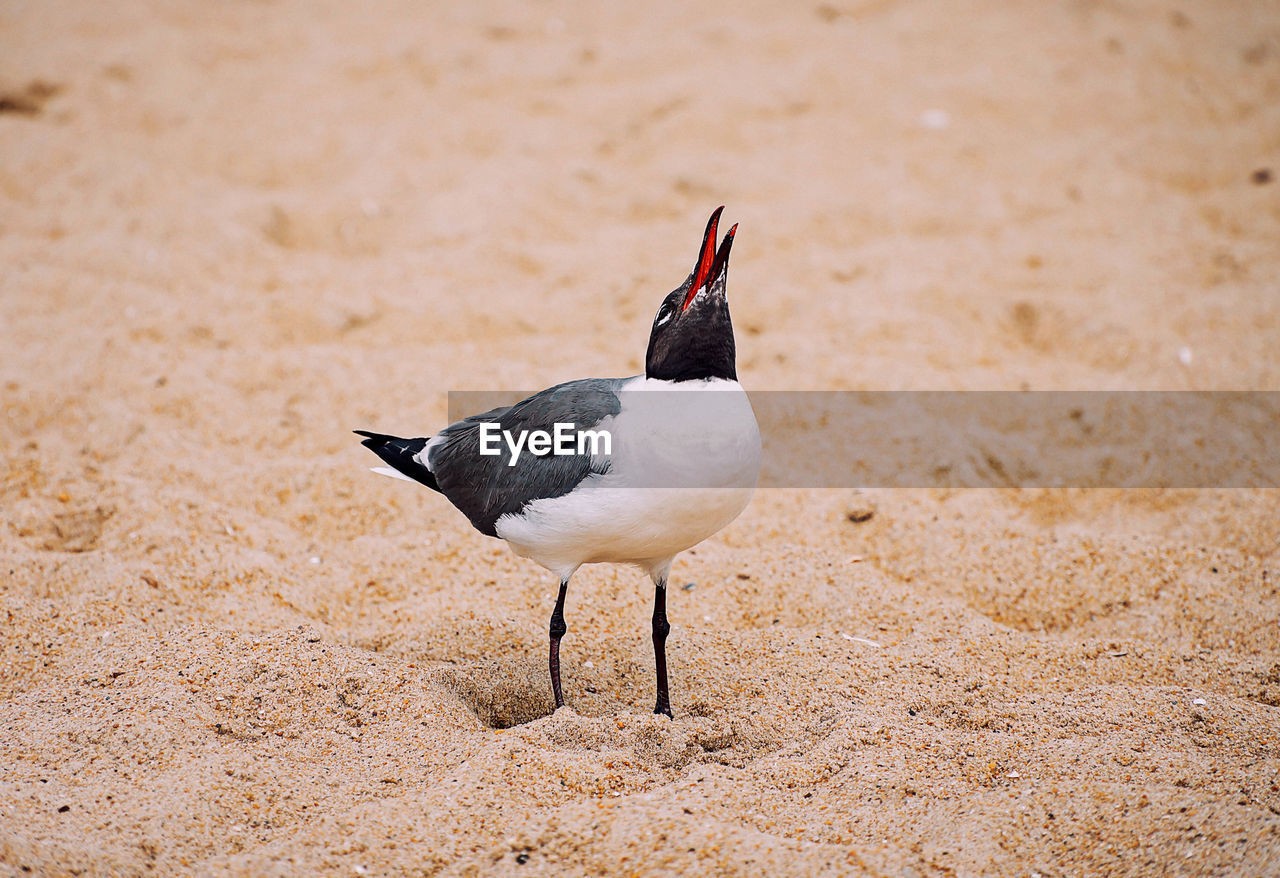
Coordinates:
<point>684,463</point>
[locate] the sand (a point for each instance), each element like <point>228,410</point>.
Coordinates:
<point>232,232</point>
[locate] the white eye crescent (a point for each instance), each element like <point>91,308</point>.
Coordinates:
<point>664,314</point>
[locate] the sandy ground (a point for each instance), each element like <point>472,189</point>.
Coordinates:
<point>232,232</point>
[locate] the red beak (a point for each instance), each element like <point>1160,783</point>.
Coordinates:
<point>710,261</point>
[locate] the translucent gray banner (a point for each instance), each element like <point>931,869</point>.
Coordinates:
<point>986,439</point>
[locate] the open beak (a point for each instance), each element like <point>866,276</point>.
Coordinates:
<point>711,262</point>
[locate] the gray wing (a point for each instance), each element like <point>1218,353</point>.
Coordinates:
<point>485,488</point>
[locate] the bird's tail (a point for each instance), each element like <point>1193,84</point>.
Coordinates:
<point>401,456</point>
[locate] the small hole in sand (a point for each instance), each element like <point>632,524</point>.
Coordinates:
<point>501,695</point>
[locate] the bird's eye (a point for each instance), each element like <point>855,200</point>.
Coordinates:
<point>664,314</point>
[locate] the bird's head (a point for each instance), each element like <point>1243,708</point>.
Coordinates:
<point>692,336</point>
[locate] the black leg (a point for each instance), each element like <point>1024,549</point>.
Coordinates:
<point>660,631</point>
<point>557,631</point>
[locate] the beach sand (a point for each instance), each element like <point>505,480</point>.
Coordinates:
<point>230,233</point>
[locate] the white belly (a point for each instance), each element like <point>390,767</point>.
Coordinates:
<point>684,463</point>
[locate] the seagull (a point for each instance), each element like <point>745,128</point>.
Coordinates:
<point>619,470</point>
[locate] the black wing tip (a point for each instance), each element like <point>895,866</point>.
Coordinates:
<point>400,455</point>
<point>374,441</point>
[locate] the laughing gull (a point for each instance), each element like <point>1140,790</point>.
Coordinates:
<point>661,461</point>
